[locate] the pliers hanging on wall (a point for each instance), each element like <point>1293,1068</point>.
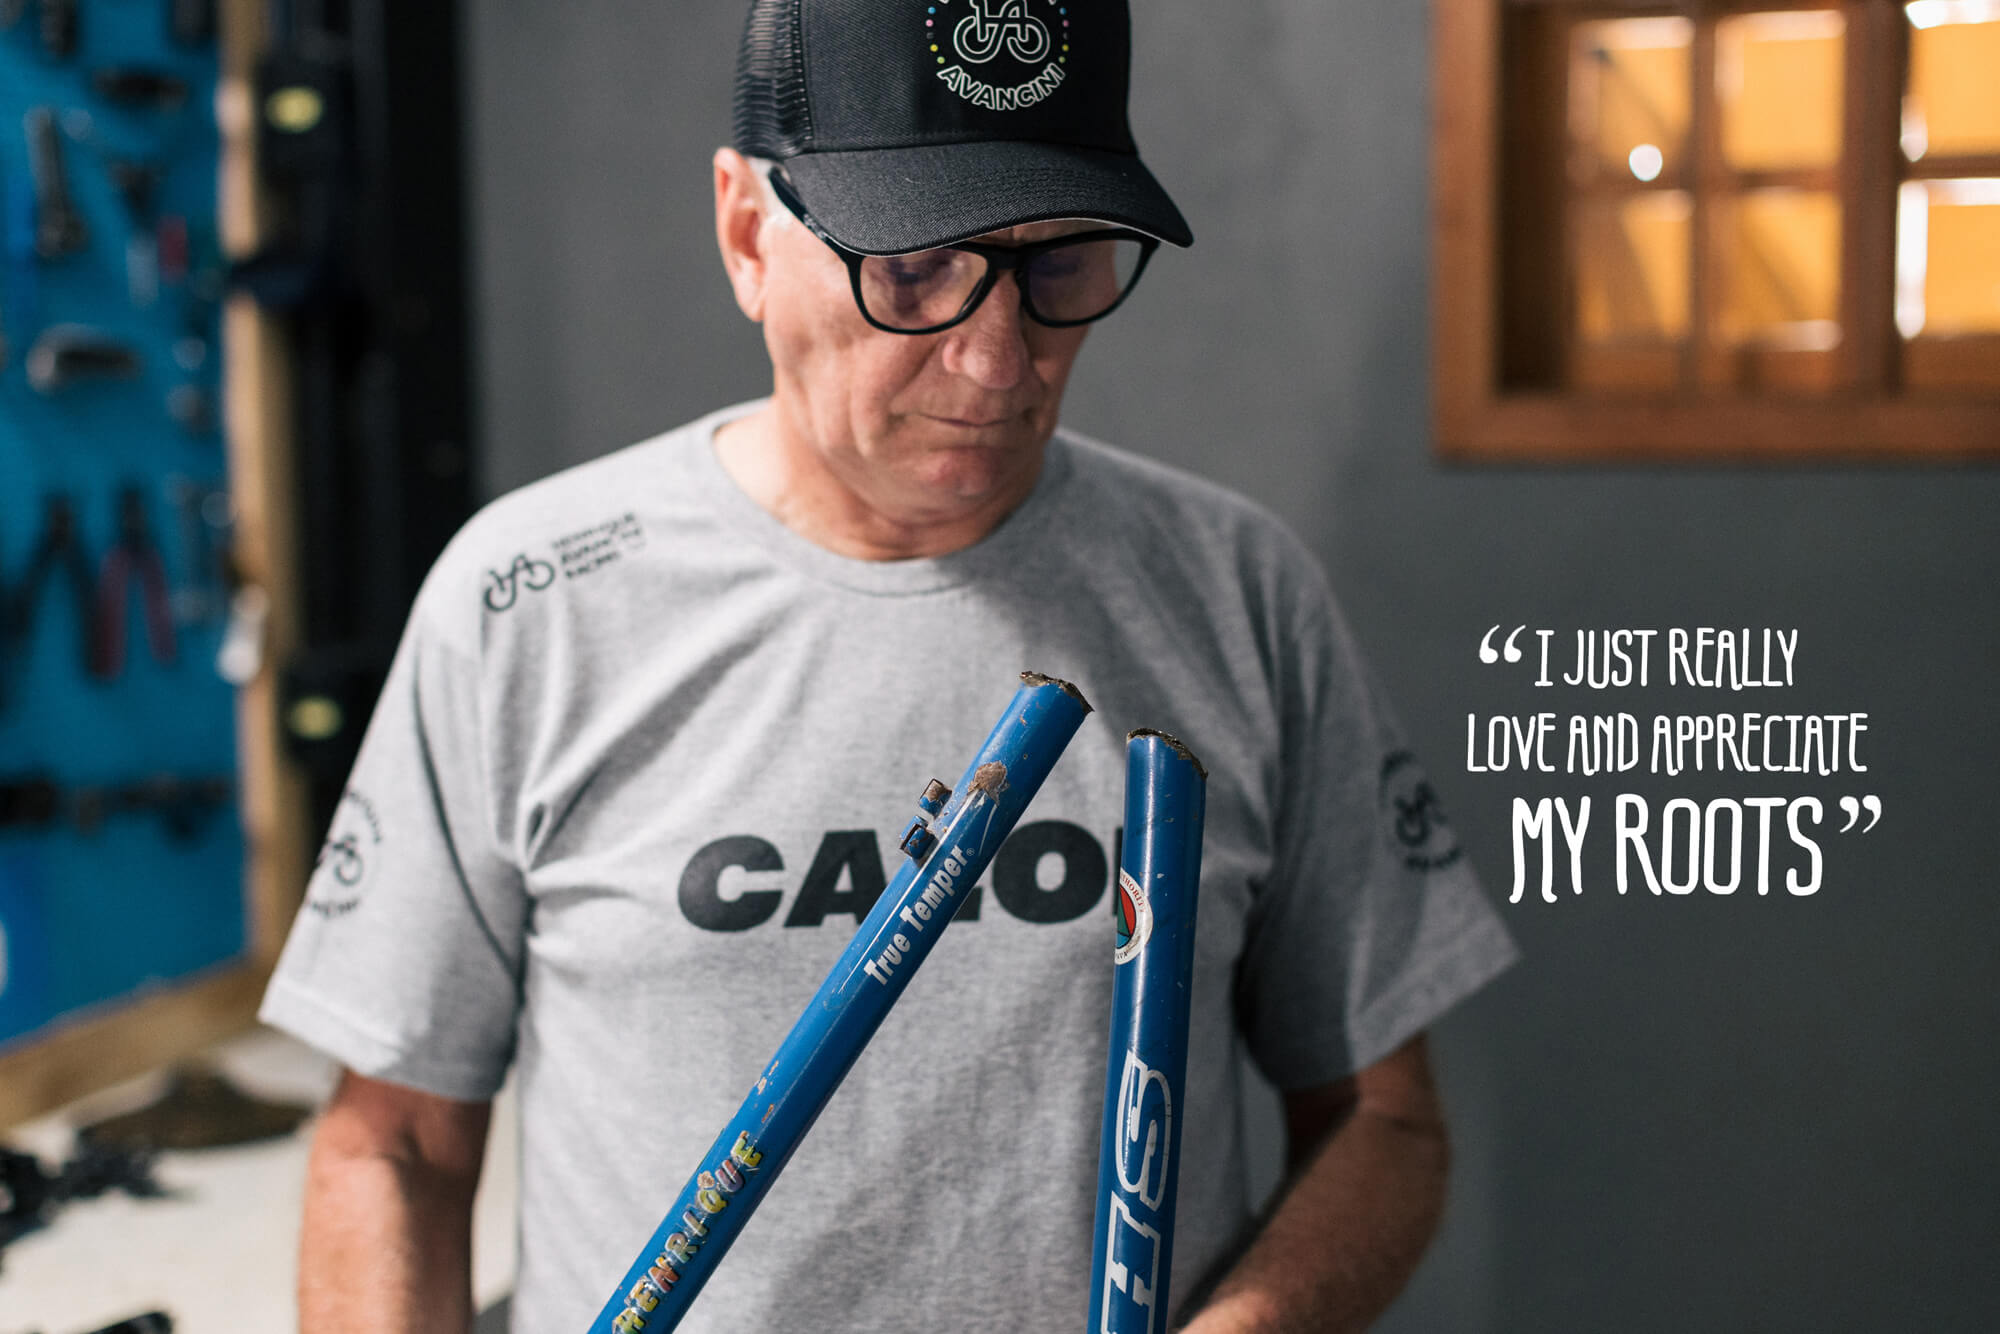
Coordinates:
<point>133,556</point>
<point>58,553</point>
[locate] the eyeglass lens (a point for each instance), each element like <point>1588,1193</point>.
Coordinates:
<point>1062,284</point>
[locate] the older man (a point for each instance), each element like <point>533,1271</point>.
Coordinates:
<point>630,785</point>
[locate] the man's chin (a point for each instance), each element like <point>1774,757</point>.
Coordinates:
<point>926,470</point>
<point>976,465</point>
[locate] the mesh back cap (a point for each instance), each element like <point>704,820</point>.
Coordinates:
<point>905,124</point>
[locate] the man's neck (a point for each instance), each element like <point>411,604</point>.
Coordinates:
<point>791,480</point>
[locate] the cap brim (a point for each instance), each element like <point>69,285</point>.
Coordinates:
<point>889,201</point>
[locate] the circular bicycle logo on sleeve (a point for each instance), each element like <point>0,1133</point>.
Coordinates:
<point>1003,55</point>
<point>1134,915</point>
<point>340,872</point>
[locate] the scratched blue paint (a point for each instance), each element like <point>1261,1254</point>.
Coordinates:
<point>815,1056</point>
<point>1153,908</point>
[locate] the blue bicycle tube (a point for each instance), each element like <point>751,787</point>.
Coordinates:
<point>1138,1169</point>
<point>945,858</point>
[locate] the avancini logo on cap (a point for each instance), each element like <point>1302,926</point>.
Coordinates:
<point>975,33</point>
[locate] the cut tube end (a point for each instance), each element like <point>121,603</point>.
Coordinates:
<point>1037,679</point>
<point>1178,746</point>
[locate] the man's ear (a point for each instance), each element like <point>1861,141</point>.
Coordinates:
<point>739,229</point>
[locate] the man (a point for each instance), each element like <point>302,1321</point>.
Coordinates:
<point>637,769</point>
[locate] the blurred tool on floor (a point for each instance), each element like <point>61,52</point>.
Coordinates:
<point>200,1109</point>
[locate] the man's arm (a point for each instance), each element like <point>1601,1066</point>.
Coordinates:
<point>387,1242</point>
<point>1367,1158</point>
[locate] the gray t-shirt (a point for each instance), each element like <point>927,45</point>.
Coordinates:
<point>638,772</point>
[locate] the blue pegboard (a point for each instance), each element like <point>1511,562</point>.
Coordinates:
<point>91,913</point>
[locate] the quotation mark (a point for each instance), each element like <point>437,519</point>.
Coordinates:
<point>1870,803</point>
<point>1511,650</point>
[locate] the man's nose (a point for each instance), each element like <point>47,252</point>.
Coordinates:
<point>991,346</point>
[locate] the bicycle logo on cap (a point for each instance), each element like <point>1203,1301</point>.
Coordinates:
<point>996,23</point>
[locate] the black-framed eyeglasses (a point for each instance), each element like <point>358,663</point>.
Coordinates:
<point>1064,281</point>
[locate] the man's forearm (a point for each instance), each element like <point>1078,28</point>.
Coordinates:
<point>386,1245</point>
<point>1345,1237</point>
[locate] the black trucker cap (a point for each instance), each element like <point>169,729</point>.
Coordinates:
<point>905,124</point>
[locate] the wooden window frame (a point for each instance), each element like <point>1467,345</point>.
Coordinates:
<point>1478,418</point>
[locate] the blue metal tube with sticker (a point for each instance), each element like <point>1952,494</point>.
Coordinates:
<point>1138,1169</point>
<point>945,856</point>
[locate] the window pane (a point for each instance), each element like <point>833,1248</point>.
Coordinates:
<point>1953,103</point>
<point>1632,267</point>
<point>1629,88</point>
<point>1948,258</point>
<point>1780,255</point>
<point>1778,80</point>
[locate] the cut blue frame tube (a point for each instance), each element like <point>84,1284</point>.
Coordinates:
<point>1138,1167</point>
<point>944,860</point>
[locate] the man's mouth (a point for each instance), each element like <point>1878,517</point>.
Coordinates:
<point>973,423</point>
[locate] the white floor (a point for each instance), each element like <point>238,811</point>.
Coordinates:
<point>220,1255</point>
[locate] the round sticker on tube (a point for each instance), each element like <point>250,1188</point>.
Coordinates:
<point>1135,917</point>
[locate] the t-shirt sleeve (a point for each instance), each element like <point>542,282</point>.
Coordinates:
<point>404,961</point>
<point>1372,924</point>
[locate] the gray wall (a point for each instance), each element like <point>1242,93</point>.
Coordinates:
<point>1701,1113</point>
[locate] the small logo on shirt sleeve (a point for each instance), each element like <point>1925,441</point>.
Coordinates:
<point>340,872</point>
<point>1416,823</point>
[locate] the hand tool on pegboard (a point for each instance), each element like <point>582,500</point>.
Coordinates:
<point>137,178</point>
<point>139,87</point>
<point>201,597</point>
<point>138,185</point>
<point>56,26</point>
<point>66,353</point>
<point>19,304</point>
<point>59,226</point>
<point>58,554</point>
<point>191,22</point>
<point>183,805</point>
<point>133,558</point>
<point>29,802</point>
<point>6,634</point>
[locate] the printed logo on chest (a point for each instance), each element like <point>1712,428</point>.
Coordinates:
<point>1048,871</point>
<point>574,555</point>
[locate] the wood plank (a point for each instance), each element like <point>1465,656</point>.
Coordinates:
<point>257,407</point>
<point>1870,161</point>
<point>1708,362</point>
<point>1965,362</point>
<point>103,1045</point>
<point>1535,298</point>
<point>1952,166</point>
<point>1558,428</point>
<point>274,808</point>
<point>1464,278</point>
<point>1641,8</point>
